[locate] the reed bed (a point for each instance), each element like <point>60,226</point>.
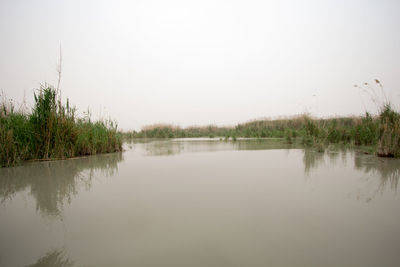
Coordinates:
<point>379,133</point>
<point>51,130</point>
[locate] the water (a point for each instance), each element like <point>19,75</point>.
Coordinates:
<point>203,203</point>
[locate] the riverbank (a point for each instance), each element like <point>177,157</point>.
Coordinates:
<point>51,130</point>
<point>378,134</point>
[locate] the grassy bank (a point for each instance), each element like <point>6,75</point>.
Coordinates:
<point>51,130</point>
<point>171,131</point>
<point>379,133</point>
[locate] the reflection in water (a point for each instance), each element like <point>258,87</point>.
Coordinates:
<point>248,208</point>
<point>387,169</point>
<point>163,148</point>
<point>52,183</point>
<point>177,146</point>
<point>312,159</point>
<point>55,258</point>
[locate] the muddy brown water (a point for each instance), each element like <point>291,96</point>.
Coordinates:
<point>201,202</point>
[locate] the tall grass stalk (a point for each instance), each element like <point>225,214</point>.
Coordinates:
<point>51,131</point>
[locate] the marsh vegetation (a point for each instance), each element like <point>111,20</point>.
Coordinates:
<point>51,130</point>
<point>380,133</point>
<point>377,133</point>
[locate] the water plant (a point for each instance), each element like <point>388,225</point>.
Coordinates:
<point>389,133</point>
<point>379,133</point>
<point>51,131</point>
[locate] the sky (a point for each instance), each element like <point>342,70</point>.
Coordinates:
<point>202,62</point>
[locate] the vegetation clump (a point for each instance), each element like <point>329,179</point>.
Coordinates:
<point>51,131</point>
<point>172,131</point>
<point>379,133</point>
<point>389,133</point>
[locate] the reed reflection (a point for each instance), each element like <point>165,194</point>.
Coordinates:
<point>386,169</point>
<point>177,146</point>
<point>312,160</point>
<point>54,183</point>
<point>54,258</point>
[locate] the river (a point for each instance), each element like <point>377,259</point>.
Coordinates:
<point>203,202</point>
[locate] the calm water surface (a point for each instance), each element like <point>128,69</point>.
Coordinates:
<point>203,203</point>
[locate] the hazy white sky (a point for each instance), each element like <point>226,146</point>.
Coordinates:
<point>200,62</point>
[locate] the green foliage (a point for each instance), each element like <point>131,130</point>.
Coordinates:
<point>290,135</point>
<point>307,140</point>
<point>389,133</point>
<point>51,131</point>
<point>366,132</point>
<point>311,128</point>
<point>381,131</point>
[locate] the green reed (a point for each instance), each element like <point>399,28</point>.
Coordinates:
<point>51,130</point>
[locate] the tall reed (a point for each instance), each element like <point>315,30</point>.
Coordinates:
<point>378,132</point>
<point>51,131</point>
